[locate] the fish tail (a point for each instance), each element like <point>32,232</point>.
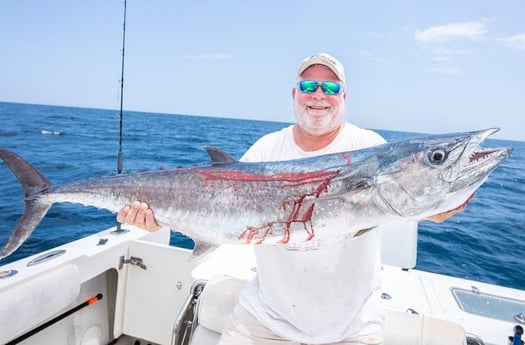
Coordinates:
<point>34,184</point>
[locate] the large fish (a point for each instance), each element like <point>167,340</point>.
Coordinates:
<point>269,202</point>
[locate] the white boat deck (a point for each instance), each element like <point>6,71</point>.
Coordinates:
<point>145,302</point>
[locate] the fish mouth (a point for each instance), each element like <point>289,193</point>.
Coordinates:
<point>480,157</point>
<point>477,161</point>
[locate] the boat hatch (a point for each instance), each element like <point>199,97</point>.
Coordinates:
<point>487,305</point>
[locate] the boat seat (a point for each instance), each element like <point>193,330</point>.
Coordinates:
<point>399,243</point>
<point>221,293</point>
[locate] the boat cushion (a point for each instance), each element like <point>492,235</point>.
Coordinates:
<point>25,305</point>
<point>412,329</point>
<point>218,300</point>
<point>222,293</point>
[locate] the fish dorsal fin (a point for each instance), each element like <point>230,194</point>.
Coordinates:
<point>218,156</point>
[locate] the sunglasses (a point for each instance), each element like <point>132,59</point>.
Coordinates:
<point>328,87</point>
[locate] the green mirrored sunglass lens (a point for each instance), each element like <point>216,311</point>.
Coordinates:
<point>330,88</point>
<point>308,86</point>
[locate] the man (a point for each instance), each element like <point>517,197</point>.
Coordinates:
<point>320,291</point>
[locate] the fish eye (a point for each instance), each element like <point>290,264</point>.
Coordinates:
<point>437,156</point>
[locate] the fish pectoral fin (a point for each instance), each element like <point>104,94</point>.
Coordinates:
<point>363,231</point>
<point>347,190</point>
<point>201,250</point>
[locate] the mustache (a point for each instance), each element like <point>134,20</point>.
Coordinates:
<point>318,104</point>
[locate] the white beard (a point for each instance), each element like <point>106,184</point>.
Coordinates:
<point>319,122</point>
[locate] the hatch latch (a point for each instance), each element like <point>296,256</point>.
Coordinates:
<point>133,260</point>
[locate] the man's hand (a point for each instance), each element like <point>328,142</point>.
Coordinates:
<point>138,214</point>
<point>441,217</point>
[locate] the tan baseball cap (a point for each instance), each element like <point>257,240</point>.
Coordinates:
<point>325,60</point>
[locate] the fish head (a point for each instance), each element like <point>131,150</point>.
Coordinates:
<point>422,177</point>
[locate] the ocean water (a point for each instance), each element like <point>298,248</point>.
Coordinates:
<point>484,243</point>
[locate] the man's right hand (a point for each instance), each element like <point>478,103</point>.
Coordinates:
<point>138,214</point>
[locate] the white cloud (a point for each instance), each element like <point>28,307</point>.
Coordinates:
<point>516,41</point>
<point>453,31</point>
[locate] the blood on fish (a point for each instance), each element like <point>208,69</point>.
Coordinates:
<point>236,175</point>
<point>348,157</point>
<point>295,215</point>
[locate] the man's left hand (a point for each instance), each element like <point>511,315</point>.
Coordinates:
<point>441,217</point>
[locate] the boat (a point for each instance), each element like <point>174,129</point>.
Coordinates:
<point>125,286</point>
<point>129,286</point>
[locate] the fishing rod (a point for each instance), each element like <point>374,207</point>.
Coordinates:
<point>119,159</point>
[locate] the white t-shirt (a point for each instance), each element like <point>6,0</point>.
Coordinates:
<point>318,291</point>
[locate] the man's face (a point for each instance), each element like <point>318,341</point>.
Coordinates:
<point>318,113</point>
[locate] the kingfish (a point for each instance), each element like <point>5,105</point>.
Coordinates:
<point>229,201</point>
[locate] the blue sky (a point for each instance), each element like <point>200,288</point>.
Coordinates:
<point>417,66</point>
